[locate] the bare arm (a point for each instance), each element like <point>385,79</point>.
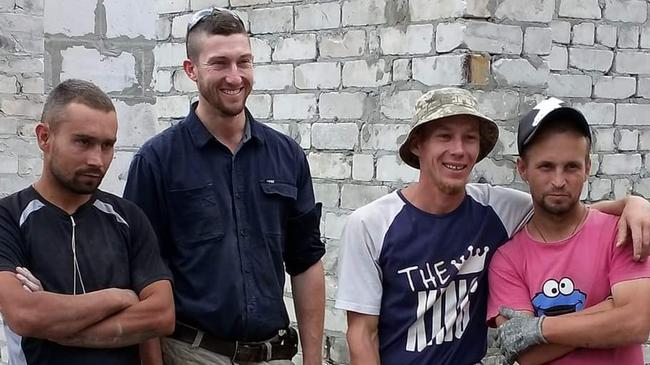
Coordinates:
<point>363,339</point>
<point>45,315</point>
<point>309,299</point>
<point>150,352</point>
<point>634,223</point>
<point>153,316</point>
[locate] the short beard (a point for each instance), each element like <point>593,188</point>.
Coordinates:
<point>73,185</point>
<point>558,210</point>
<point>450,189</point>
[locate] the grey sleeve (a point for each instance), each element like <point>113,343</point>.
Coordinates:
<point>513,207</point>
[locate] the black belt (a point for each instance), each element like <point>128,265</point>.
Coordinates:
<point>284,346</point>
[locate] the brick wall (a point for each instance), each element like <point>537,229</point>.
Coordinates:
<point>342,77</point>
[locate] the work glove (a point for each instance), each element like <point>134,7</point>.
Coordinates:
<point>520,332</point>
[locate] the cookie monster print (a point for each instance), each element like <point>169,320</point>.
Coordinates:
<point>558,298</point>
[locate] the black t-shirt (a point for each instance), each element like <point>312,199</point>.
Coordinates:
<point>115,248</point>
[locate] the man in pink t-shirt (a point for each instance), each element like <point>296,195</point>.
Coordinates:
<point>561,291</point>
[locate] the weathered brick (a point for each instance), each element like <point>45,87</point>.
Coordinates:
<point>440,70</point>
<point>643,89</point>
<point>163,28</point>
<point>391,168</point>
<point>400,104</point>
<point>365,73</point>
<point>628,36</point>
<point>172,106</point>
<point>329,165</point>
<point>604,139</point>
<point>294,106</point>
<point>628,140</point>
<point>591,59</point>
<point>538,40</point>
<point>169,54</point>
<point>327,193</point>
<point>334,224</point>
<point>449,36</point>
<point>526,10</point>
<point>334,136</point>
<point>318,16</point>
<point>8,84</point>
<point>261,50</point>
<point>633,11</point>
<point>202,4</point>
<point>341,105</point>
<point>643,187</point>
<point>644,142</point>
<point>137,123</point>
<point>597,113</point>
<point>364,12</point>
<point>130,19</point>
<point>383,136</point>
<point>272,20</point>
<point>260,105</point>
<point>494,172</point>
<point>561,31</point>
<point>21,106</point>
<point>363,167</point>
<point>632,62</point>
<point>35,85</point>
<point>415,39</point>
<point>109,73</point>
<point>183,83</point>
<point>248,2</point>
<point>273,77</point>
<point>296,47</point>
<point>356,196</point>
<point>599,189</point>
<point>558,60</point>
<point>619,164</point>
<point>498,104</point>
<point>586,9</point>
<point>348,44</point>
<point>606,35</point>
<point>401,69</point>
<point>632,114</point>
<point>622,188</point>
<point>493,38</point>
<point>569,85</point>
<point>520,72</point>
<point>58,17</point>
<point>435,9</point>
<point>339,352</point>
<point>507,143</point>
<point>170,6</point>
<point>614,87</point>
<point>583,33</point>
<point>163,80</point>
<point>318,75</point>
<point>645,37</point>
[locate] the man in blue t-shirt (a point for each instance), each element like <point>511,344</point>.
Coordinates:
<point>413,264</point>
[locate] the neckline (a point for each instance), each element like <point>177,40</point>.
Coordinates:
<point>425,213</point>
<point>578,230</point>
<point>48,203</point>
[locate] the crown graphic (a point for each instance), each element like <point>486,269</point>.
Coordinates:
<point>473,262</point>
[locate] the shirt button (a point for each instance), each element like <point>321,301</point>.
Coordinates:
<point>243,233</point>
<point>237,196</point>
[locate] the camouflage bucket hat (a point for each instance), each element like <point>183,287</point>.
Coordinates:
<point>447,102</point>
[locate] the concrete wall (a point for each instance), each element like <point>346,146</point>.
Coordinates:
<point>341,77</point>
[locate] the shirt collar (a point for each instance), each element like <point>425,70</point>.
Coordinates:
<point>201,136</point>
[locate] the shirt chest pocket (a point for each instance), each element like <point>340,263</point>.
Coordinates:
<point>277,200</point>
<point>196,215</point>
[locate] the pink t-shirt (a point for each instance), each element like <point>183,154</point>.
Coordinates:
<point>564,277</point>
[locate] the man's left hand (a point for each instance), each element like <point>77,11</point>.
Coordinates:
<point>635,219</point>
<point>520,332</point>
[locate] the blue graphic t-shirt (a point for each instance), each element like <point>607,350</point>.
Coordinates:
<point>425,275</point>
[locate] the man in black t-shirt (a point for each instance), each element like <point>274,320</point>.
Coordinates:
<point>103,286</point>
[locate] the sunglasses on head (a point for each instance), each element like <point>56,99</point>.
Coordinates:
<point>204,13</point>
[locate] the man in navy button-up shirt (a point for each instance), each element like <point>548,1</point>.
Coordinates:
<point>232,203</point>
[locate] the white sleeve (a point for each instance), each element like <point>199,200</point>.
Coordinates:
<point>359,275</point>
<point>513,207</point>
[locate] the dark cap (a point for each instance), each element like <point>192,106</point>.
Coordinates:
<point>545,111</point>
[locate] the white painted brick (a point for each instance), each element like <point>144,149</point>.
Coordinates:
<point>296,47</point>
<point>591,59</point>
<point>440,70</point>
<point>628,36</point>
<point>391,168</point>
<point>334,224</point>
<point>172,106</point>
<point>645,37</point>
<point>58,17</point>
<point>163,28</point>
<point>507,142</point>
<point>435,9</point>
<point>558,60</point>
<point>261,50</point>
<point>569,86</point>
<point>348,44</point>
<point>294,106</point>
<point>383,136</point>
<point>604,139</point>
<point>356,196</point>
<point>526,10</point>
<point>364,12</point>
<point>203,4</point>
<point>494,38</point>
<point>520,72</point>
<point>363,167</point>
<point>401,69</point>
<point>25,107</point>
<point>449,36</point>
<point>597,113</point>
<point>494,172</point>
<point>644,142</point>
<point>331,136</point>
<point>614,87</point>
<point>538,40</point>
<point>629,140</point>
<point>171,6</point>
<point>163,81</point>
<point>318,16</point>
<point>498,104</point>
<point>31,64</point>
<point>342,105</point>
<point>622,188</point>
<point>318,75</point>
<point>109,73</point>
<point>643,187</point>
<point>415,39</point>
<point>169,54</point>
<point>137,123</point>
<point>8,84</point>
<point>606,35</point>
<point>8,164</point>
<point>179,25</point>
<point>585,9</point>
<point>183,83</point>
<point>272,20</point>
<point>328,194</point>
<point>561,31</point>
<point>248,2</point>
<point>329,165</point>
<point>273,77</point>
<point>34,85</point>
<point>643,88</point>
<point>583,33</point>
<point>599,189</point>
<point>399,105</point>
<point>130,18</point>
<point>365,73</point>
<point>632,114</point>
<point>619,164</point>
<point>260,105</point>
<point>632,62</point>
<point>633,11</point>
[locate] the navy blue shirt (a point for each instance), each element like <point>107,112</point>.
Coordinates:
<point>229,224</point>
